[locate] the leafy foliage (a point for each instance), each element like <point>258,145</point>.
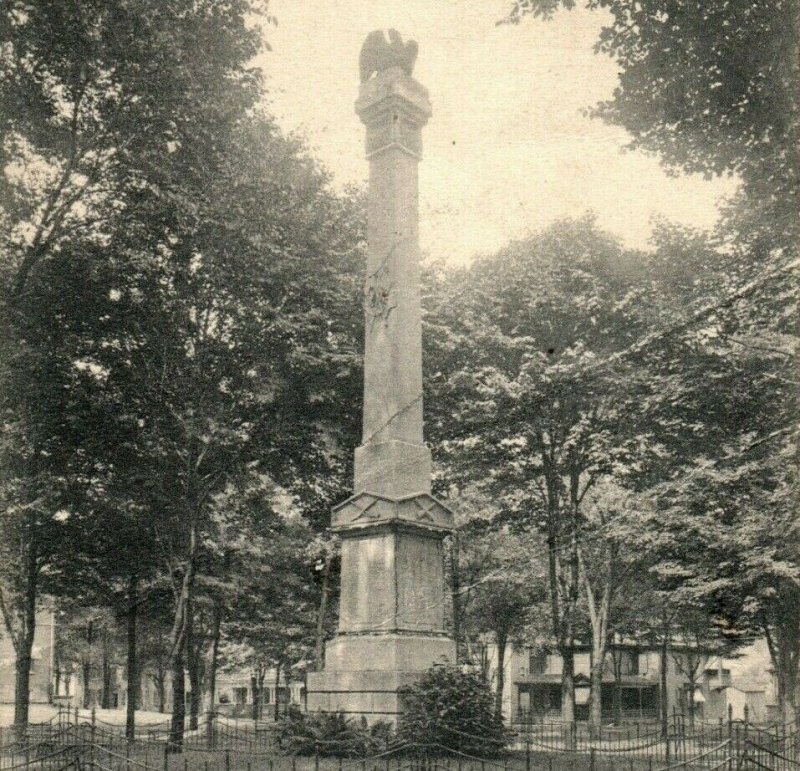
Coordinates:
<point>709,87</point>
<point>332,734</point>
<point>448,709</point>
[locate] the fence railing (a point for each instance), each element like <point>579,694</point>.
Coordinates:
<point>225,745</point>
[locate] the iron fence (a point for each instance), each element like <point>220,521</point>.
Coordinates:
<point>220,744</point>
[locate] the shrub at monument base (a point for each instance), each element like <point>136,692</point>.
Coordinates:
<point>332,734</point>
<point>451,710</point>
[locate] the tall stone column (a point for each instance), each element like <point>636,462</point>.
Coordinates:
<point>391,615</point>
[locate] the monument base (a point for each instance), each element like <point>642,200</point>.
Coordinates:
<point>365,672</point>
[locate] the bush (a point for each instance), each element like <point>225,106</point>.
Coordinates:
<point>331,734</point>
<point>450,710</point>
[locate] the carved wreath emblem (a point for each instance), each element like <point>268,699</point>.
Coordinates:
<point>379,295</point>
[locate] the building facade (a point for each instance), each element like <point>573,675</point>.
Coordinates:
<point>41,666</point>
<point>699,685</point>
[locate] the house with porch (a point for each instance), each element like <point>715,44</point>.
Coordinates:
<point>699,684</point>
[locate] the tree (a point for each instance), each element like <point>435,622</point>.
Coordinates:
<point>713,88</point>
<point>153,648</point>
<point>731,476</point>
<point>214,356</point>
<point>274,622</point>
<point>32,489</point>
<point>105,96</point>
<point>709,88</point>
<point>327,563</point>
<point>99,102</point>
<point>609,562</point>
<point>505,593</point>
<point>537,405</point>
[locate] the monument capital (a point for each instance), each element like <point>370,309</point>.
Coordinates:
<point>394,108</point>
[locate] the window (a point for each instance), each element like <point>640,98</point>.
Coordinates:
<point>537,663</point>
<point>628,662</point>
<point>240,695</point>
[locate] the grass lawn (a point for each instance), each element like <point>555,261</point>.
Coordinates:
<point>41,713</point>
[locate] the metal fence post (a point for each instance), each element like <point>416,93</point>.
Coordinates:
<point>210,729</point>
<point>527,755</point>
<point>92,736</point>
<point>166,756</point>
<point>591,759</point>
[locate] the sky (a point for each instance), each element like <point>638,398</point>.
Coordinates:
<point>509,148</point>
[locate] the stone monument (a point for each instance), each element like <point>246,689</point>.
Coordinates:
<point>391,616</point>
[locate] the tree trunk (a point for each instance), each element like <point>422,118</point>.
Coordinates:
<point>22,641</point>
<point>132,666</point>
<point>87,676</point>
<point>617,703</point>
<point>502,641</point>
<point>160,682</point>
<point>691,704</point>
<point>178,646</point>
<point>277,713</point>
<point>598,614</point>
<point>178,704</point>
<point>595,698</point>
<point>212,665</point>
<point>319,643</point>
<point>193,666</point>
<point>469,652</point>
<point>195,699</point>
<point>571,589</point>
<point>568,696</point>
<point>105,698</point>
<point>662,695</point>
<point>783,641</point>
<point>87,666</point>
<point>616,665</point>
<point>256,691</point>
<point>456,594</point>
<point>22,682</point>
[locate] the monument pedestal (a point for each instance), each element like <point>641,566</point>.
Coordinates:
<point>391,610</point>
<point>365,673</point>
